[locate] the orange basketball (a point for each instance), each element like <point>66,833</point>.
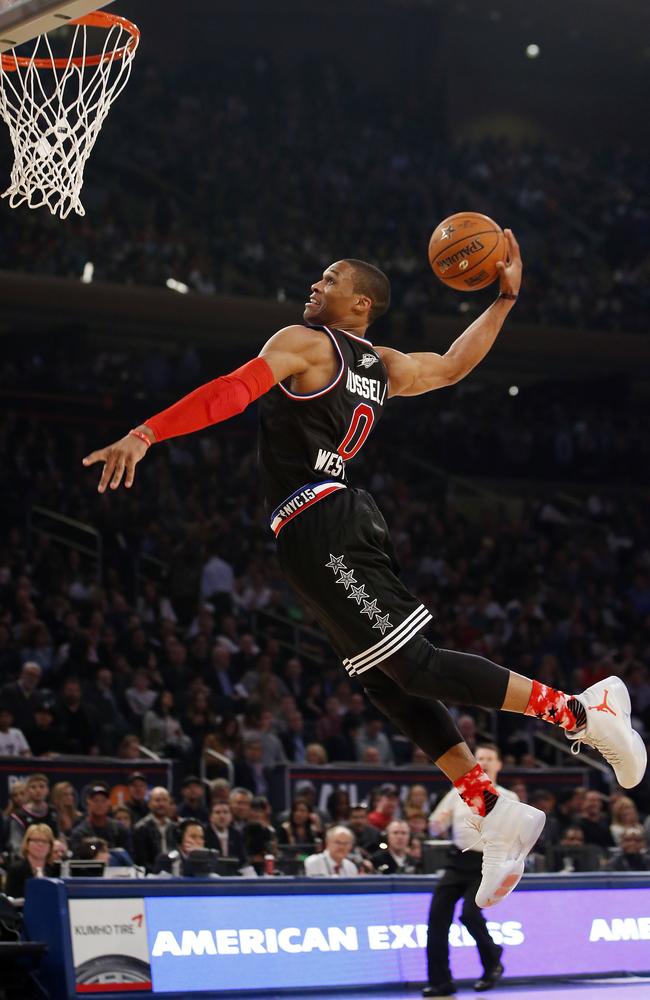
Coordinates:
<point>464,250</point>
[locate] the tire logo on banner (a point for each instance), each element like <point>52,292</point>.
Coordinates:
<point>109,945</point>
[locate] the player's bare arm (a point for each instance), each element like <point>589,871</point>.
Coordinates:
<point>306,356</point>
<point>413,374</point>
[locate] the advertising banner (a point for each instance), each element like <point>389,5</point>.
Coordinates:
<point>109,945</point>
<point>270,942</point>
<point>82,771</point>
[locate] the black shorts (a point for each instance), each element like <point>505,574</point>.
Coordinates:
<point>339,558</point>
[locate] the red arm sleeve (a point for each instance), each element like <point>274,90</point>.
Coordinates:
<point>215,401</point>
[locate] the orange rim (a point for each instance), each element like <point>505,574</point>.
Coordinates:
<point>100,19</point>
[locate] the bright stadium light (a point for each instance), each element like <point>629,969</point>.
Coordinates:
<point>88,271</point>
<point>513,390</point>
<point>177,286</point>
<point>532,50</point>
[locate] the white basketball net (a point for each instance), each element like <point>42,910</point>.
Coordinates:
<point>55,113</point>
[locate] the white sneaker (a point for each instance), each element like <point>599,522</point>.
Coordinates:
<point>609,730</point>
<point>507,834</point>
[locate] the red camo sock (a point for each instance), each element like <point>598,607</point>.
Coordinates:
<point>555,707</point>
<point>477,791</point>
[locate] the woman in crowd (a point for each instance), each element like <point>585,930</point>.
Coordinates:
<point>36,860</point>
<point>64,799</point>
<point>624,814</point>
<point>338,805</point>
<point>162,731</point>
<point>302,827</point>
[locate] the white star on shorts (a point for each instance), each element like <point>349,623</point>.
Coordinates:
<point>358,593</point>
<point>370,608</point>
<point>336,563</point>
<point>347,579</point>
<point>382,623</point>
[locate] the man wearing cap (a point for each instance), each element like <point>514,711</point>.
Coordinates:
<point>98,822</point>
<point>137,803</point>
<point>386,807</point>
<point>193,796</point>
<point>44,736</point>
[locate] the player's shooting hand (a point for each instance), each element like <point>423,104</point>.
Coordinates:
<point>120,459</point>
<point>510,269</point>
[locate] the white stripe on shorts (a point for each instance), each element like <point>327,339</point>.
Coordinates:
<point>389,644</point>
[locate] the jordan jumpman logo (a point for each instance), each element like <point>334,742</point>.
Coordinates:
<point>603,707</point>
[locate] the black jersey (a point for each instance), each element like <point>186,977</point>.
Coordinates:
<point>306,440</point>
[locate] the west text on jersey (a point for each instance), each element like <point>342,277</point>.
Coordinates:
<point>330,462</point>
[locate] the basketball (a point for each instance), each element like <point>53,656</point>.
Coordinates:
<point>464,250</point>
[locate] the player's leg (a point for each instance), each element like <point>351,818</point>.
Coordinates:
<point>506,828</point>
<point>599,717</point>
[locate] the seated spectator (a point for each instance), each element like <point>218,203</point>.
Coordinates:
<point>17,798</point>
<point>156,833</point>
<point>193,799</point>
<point>418,797</point>
<point>76,720</point>
<point>36,809</point>
<point>544,799</point>
<point>338,805</point>
<point>162,731</point>
<point>240,805</point>
<point>294,738</point>
<point>624,815</point>
<point>64,800</point>
<point>221,836</point>
<point>594,822</point>
<point>249,771</point>
<point>45,735</point>
<point>259,842</point>
<point>199,719</point>
<point>367,836</point>
<point>372,734</point>
<point>316,755</point>
<point>261,812</point>
<point>20,696</point>
<point>35,860</point>
<point>12,740</point>
<point>334,861</point>
<point>385,808</point>
<point>60,850</point>
<point>140,696</point>
<point>632,856</point>
<point>138,792</point>
<point>394,859</point>
<point>572,854</point>
<point>416,840</point>
<point>93,849</point>
<point>98,822</point>
<point>129,747</point>
<point>219,790</point>
<point>302,826</point>
<point>191,837</point>
<point>417,819</point>
<point>122,814</point>
<point>108,710</point>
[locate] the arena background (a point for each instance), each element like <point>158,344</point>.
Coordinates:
<point>253,146</point>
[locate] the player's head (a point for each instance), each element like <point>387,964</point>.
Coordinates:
<point>350,292</point>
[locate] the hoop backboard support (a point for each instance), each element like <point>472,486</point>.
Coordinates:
<point>21,20</point>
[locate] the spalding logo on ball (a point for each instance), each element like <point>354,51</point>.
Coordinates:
<point>464,250</point>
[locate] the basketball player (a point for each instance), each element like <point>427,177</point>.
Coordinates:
<point>323,387</point>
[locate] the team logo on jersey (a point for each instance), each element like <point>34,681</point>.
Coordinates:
<point>366,360</point>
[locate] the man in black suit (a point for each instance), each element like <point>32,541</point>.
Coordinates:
<point>20,696</point>
<point>156,833</point>
<point>221,836</point>
<point>395,859</point>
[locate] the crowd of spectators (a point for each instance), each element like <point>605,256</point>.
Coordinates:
<point>585,831</point>
<point>233,176</point>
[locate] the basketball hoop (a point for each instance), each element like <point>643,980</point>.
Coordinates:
<point>55,107</point>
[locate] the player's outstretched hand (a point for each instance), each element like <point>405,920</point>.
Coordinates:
<point>118,458</point>
<point>510,269</point>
